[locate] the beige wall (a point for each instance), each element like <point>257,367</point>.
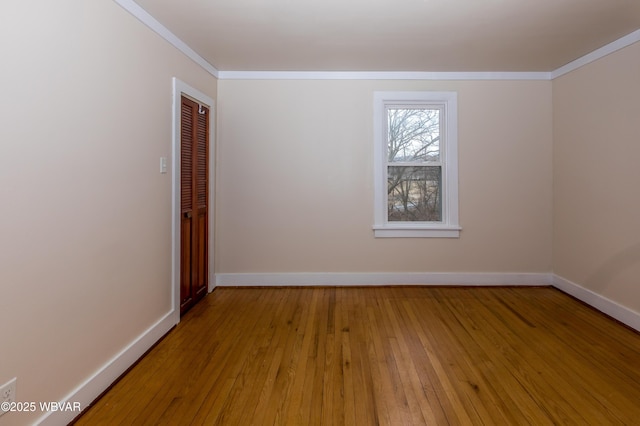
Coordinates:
<point>85,232</point>
<point>596,113</point>
<point>295,193</point>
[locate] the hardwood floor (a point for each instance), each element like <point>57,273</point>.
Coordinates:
<point>390,356</point>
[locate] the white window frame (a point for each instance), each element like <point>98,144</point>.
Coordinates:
<point>448,102</point>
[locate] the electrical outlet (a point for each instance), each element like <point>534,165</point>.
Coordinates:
<point>7,394</point>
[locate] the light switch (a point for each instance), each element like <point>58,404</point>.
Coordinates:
<point>163,165</point>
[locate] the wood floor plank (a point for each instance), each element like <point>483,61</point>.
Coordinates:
<point>383,356</point>
<point>508,362</point>
<point>420,413</point>
<point>367,409</point>
<point>536,353</point>
<point>486,406</point>
<point>440,357</point>
<point>294,413</point>
<point>582,365</point>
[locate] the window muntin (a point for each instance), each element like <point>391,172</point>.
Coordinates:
<point>416,164</point>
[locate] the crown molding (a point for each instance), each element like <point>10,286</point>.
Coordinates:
<point>379,75</point>
<point>143,16</point>
<point>621,43</point>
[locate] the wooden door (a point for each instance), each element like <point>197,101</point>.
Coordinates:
<point>194,229</point>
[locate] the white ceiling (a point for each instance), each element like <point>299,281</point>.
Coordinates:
<point>395,35</point>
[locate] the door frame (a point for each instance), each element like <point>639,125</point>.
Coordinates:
<point>180,89</point>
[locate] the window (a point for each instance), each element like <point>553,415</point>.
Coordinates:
<point>416,164</point>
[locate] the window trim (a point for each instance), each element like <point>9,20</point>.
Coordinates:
<point>449,226</point>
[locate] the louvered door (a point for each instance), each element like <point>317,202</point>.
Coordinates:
<point>194,229</point>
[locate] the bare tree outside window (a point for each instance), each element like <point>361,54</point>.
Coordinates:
<point>414,171</point>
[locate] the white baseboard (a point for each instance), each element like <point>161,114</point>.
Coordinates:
<point>378,279</point>
<point>599,302</point>
<point>88,391</point>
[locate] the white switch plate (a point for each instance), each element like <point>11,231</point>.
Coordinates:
<point>163,165</point>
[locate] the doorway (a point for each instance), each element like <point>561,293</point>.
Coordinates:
<point>194,202</point>
<point>192,224</point>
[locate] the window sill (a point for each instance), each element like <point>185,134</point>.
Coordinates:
<point>405,231</point>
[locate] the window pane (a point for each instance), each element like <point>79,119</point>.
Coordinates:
<point>414,194</point>
<point>413,135</point>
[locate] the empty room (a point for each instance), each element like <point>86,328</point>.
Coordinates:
<point>417,212</point>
